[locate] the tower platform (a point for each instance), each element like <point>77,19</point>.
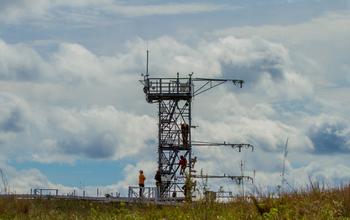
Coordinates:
<point>167,89</point>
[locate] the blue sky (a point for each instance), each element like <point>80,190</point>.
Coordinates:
<point>73,115</point>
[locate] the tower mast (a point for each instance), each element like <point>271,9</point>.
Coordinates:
<point>174,98</point>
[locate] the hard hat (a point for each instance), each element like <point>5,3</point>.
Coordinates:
<point>141,171</point>
<point>181,156</point>
<point>158,171</point>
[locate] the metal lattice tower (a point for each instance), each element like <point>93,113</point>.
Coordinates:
<point>174,97</point>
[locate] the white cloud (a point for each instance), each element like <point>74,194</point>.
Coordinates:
<point>93,11</point>
<point>62,135</point>
<point>15,11</point>
<point>15,118</point>
<point>258,62</point>
<point>295,86</point>
<point>331,26</point>
<point>261,133</point>
<point>131,174</point>
<point>329,133</point>
<point>72,64</point>
<point>78,132</point>
<point>21,63</point>
<point>75,65</point>
<point>168,9</point>
<point>49,152</point>
<point>322,171</point>
<point>316,44</point>
<point>255,60</point>
<point>97,133</point>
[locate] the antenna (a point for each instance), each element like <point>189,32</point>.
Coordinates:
<point>147,63</point>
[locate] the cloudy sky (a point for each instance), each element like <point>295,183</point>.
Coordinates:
<point>73,115</point>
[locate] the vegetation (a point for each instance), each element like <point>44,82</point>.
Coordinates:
<point>312,202</point>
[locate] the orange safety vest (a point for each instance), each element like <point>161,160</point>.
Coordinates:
<point>142,179</point>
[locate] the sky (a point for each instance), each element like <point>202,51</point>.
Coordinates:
<point>73,115</point>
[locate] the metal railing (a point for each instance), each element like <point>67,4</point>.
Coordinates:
<point>41,192</point>
<point>150,195</point>
<point>224,194</point>
<point>163,85</point>
<point>147,193</point>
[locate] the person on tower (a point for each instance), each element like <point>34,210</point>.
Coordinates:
<point>142,179</point>
<point>158,179</point>
<point>186,189</point>
<point>184,131</point>
<point>183,163</point>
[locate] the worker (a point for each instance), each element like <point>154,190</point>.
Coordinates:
<point>184,187</point>
<point>183,163</point>
<point>187,189</point>
<point>184,131</point>
<point>158,179</point>
<point>142,179</point>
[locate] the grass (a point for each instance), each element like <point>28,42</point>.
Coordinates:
<point>312,202</point>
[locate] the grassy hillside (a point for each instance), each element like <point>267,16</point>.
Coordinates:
<point>312,202</point>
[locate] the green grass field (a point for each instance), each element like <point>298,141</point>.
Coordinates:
<point>312,202</point>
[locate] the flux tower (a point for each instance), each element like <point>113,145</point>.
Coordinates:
<point>174,98</point>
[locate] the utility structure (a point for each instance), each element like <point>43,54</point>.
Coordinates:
<point>174,98</point>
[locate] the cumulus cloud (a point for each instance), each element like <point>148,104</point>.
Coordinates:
<point>255,55</point>
<point>16,119</point>
<point>235,123</point>
<point>323,171</point>
<point>63,135</point>
<point>260,63</point>
<point>329,134</point>
<point>90,132</point>
<point>316,44</point>
<point>21,63</point>
<point>330,25</point>
<point>15,113</point>
<point>95,133</point>
<point>72,60</point>
<point>72,64</point>
<point>266,66</point>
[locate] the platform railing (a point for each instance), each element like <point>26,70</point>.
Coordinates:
<point>224,194</point>
<point>147,193</point>
<point>172,85</point>
<point>46,192</point>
